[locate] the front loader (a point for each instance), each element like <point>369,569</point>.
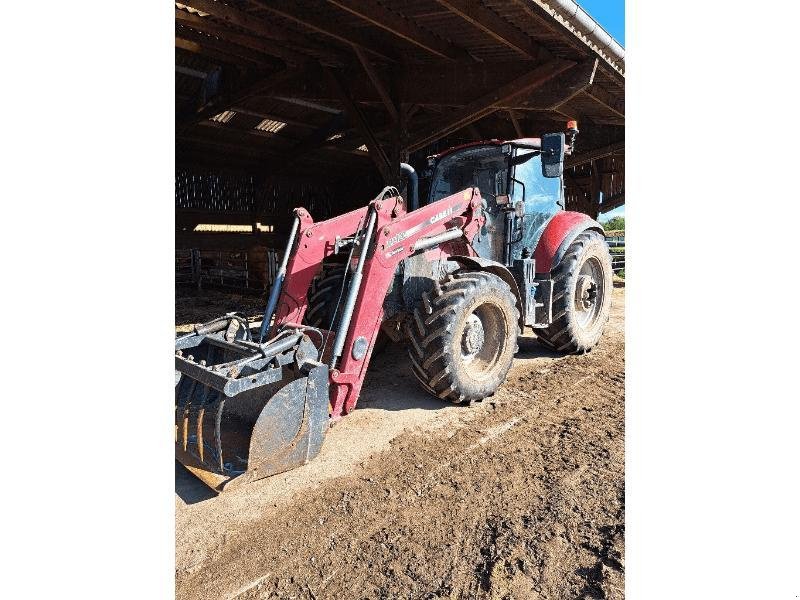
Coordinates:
<point>490,252</point>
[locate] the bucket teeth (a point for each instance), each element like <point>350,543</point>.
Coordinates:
<point>200,416</point>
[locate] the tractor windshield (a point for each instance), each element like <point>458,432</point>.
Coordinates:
<point>542,197</point>
<point>484,167</point>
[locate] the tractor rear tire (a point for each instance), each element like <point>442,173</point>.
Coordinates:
<point>582,285</point>
<point>462,336</point>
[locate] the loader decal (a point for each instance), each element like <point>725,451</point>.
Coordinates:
<point>403,235</point>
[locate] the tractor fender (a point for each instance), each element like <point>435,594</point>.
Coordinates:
<point>559,233</point>
<point>484,264</point>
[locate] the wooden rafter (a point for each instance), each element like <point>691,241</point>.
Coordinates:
<point>401,27</point>
<point>496,27</point>
<point>515,123</point>
<point>224,101</point>
<point>238,18</point>
<point>569,84</point>
<point>376,152</point>
<point>347,35</point>
<point>377,84</point>
<point>197,43</point>
<point>598,94</point>
<point>540,15</point>
<point>248,41</point>
<point>590,155</point>
<point>613,202</point>
<point>488,103</point>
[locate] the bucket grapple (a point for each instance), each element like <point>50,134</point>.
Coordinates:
<point>244,410</point>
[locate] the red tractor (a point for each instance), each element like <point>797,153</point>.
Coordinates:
<point>490,252</point>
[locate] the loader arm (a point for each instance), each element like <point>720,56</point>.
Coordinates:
<point>448,224</point>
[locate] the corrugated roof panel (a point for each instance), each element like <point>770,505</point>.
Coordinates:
<point>223,117</point>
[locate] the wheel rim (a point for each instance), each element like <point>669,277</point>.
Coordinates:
<point>589,292</point>
<point>483,339</point>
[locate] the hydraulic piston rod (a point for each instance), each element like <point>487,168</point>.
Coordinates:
<point>352,292</point>
<point>275,292</point>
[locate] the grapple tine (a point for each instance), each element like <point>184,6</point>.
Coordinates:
<point>218,433</point>
<point>200,448</point>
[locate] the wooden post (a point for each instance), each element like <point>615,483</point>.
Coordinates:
<point>596,191</point>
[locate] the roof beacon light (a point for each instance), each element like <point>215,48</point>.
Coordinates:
<point>572,133</point>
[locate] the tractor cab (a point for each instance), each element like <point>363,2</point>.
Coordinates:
<point>521,193</point>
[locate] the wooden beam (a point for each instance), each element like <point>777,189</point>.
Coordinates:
<point>541,16</point>
<point>613,202</point>
<point>595,190</point>
<point>576,81</point>
<point>441,83</point>
<point>212,48</point>
<point>598,94</point>
<point>590,155</point>
<point>190,72</point>
<point>347,35</point>
<point>377,84</point>
<point>496,27</point>
<point>307,104</point>
<point>311,142</point>
<point>515,123</point>
<point>248,41</point>
<point>264,28</point>
<point>376,152</point>
<point>399,26</point>
<point>225,100</point>
<point>486,104</point>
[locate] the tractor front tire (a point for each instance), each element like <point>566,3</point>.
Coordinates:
<point>582,285</point>
<point>462,336</point>
<point>324,296</point>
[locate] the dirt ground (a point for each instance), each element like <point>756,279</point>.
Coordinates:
<point>520,496</point>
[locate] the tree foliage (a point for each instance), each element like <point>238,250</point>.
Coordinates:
<point>615,224</point>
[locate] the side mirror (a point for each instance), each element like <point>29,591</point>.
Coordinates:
<point>552,154</point>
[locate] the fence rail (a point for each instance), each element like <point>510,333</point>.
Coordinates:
<point>617,247</point>
<point>241,270</point>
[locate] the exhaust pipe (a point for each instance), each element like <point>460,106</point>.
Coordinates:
<point>413,185</point>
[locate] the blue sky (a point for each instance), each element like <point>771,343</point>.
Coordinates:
<point>611,15</point>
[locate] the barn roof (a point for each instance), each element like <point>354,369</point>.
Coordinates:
<point>334,87</point>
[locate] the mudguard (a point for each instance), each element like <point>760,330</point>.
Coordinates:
<point>559,233</point>
<point>499,269</point>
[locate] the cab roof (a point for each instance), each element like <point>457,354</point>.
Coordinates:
<point>535,142</point>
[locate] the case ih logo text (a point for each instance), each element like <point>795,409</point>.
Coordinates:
<point>411,231</point>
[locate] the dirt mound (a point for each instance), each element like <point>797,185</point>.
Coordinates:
<point>520,496</point>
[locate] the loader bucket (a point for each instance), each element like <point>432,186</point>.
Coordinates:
<point>244,411</point>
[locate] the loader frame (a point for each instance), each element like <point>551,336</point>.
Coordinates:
<point>448,226</point>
